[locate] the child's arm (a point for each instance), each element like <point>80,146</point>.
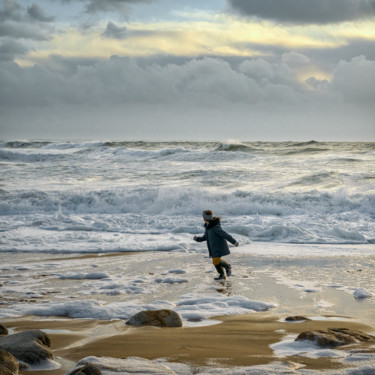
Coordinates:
<point>222,233</point>
<point>200,239</point>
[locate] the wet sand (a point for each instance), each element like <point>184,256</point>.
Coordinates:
<point>237,341</point>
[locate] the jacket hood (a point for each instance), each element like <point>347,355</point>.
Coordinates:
<point>215,221</point>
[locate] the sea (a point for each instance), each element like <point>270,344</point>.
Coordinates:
<point>91,197</point>
<point>102,230</point>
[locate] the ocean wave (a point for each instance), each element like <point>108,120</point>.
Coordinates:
<point>307,150</point>
<point>48,153</point>
<point>136,154</point>
<point>320,179</point>
<point>41,150</point>
<point>24,144</point>
<point>303,144</point>
<point>14,156</point>
<point>232,147</point>
<point>174,201</point>
<point>48,144</point>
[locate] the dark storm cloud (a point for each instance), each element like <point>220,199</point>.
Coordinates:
<point>36,13</point>
<point>18,22</point>
<point>93,6</point>
<point>10,11</point>
<point>9,49</point>
<point>202,82</point>
<point>13,11</point>
<point>111,5</point>
<point>115,32</point>
<point>306,11</point>
<point>24,31</point>
<point>118,80</point>
<point>119,95</point>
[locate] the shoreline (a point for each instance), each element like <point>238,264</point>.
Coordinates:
<point>237,341</point>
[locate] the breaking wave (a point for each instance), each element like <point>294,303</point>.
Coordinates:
<point>175,201</point>
<point>287,192</point>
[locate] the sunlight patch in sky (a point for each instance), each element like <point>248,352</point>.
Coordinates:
<point>222,36</point>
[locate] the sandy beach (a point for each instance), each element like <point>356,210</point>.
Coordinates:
<point>237,341</point>
<point>208,340</point>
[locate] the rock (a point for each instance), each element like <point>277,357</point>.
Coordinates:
<point>331,338</point>
<point>31,347</point>
<point>3,330</point>
<point>362,293</point>
<point>8,364</point>
<point>127,366</point>
<point>87,369</point>
<point>157,318</point>
<point>295,318</point>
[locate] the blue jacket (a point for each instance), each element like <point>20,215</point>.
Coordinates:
<point>216,239</point>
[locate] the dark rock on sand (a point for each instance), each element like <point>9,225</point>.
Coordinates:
<point>295,318</point>
<point>31,347</point>
<point>87,369</point>
<point>331,338</point>
<point>3,330</point>
<point>126,366</point>
<point>8,364</point>
<point>157,318</point>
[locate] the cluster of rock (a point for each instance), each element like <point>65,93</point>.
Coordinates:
<point>103,365</point>
<point>333,337</point>
<point>21,350</point>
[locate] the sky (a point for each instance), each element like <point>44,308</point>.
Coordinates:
<point>214,70</point>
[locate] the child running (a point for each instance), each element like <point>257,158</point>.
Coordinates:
<point>217,244</point>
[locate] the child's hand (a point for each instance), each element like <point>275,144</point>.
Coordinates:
<point>236,244</point>
<point>195,238</point>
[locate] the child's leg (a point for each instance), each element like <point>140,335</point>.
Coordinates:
<point>227,266</point>
<point>216,261</point>
<point>219,268</point>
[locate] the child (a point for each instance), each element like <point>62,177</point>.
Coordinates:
<point>217,244</point>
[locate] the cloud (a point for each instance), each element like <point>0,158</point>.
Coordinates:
<point>211,82</point>
<point>206,98</point>
<point>319,84</point>
<point>115,32</point>
<point>36,13</point>
<point>355,80</point>
<point>23,30</point>
<point>295,59</point>
<point>10,11</point>
<point>306,11</point>
<point>13,11</point>
<point>94,6</point>
<point>9,49</point>
<point>18,22</point>
<point>203,82</point>
<point>328,57</point>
